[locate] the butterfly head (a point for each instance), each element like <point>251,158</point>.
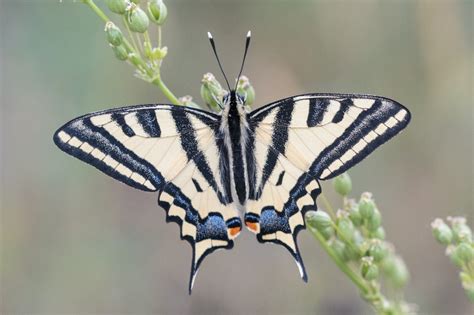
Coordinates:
<point>232,99</point>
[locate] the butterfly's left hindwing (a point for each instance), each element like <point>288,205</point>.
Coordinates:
<point>301,140</point>
<point>171,149</point>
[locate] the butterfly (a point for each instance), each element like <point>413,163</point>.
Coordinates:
<point>215,173</point>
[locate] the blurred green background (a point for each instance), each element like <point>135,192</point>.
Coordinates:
<point>76,241</point>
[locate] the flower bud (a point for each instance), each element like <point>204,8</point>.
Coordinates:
<point>134,59</point>
<point>345,228</point>
<point>374,221</point>
<point>212,91</point>
<point>379,233</point>
<point>354,213</point>
<point>114,35</point>
<point>117,6</point>
<point>321,221</point>
<point>366,205</point>
<point>454,258</point>
<point>464,252</point>
<point>343,184</point>
<point>442,232</point>
<point>245,89</point>
<point>160,53</point>
<point>135,1</point>
<point>157,11</point>
<point>137,19</point>
<point>120,52</point>
<point>396,271</point>
<point>368,269</point>
<point>468,284</point>
<point>461,231</point>
<point>187,100</point>
<point>377,250</point>
<point>339,248</point>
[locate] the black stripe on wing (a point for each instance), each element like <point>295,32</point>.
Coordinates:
<point>101,141</point>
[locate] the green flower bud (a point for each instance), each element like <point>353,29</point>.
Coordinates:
<point>368,269</point>
<point>454,258</point>
<point>120,52</point>
<point>187,100</point>
<point>396,271</point>
<point>134,59</point>
<point>378,250</point>
<point>461,231</point>
<point>212,91</point>
<point>321,221</point>
<point>343,184</point>
<point>135,1</point>
<point>442,232</point>
<point>470,292</point>
<point>339,248</point>
<point>137,19</point>
<point>345,228</point>
<point>374,221</point>
<point>160,53</point>
<point>468,284</point>
<point>379,233</point>
<point>117,6</point>
<point>464,252</point>
<point>245,89</point>
<point>354,213</point>
<point>366,205</point>
<point>157,11</point>
<point>114,35</point>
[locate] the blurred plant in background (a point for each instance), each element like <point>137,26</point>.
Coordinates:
<point>459,248</point>
<point>354,239</point>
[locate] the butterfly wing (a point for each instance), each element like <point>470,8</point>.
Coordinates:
<point>303,139</point>
<point>171,149</point>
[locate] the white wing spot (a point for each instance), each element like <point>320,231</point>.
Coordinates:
<point>391,122</point>
<point>63,136</point>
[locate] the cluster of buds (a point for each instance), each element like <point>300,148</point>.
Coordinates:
<point>356,236</point>
<point>213,93</point>
<point>143,56</point>
<point>457,236</point>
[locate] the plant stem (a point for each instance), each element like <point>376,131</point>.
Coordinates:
<point>164,89</point>
<point>328,206</point>
<point>358,281</point>
<point>96,9</point>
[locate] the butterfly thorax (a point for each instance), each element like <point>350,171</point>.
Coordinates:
<point>234,126</point>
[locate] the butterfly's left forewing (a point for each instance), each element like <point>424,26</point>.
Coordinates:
<point>175,150</point>
<point>303,139</point>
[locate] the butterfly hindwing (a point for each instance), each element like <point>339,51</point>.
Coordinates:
<point>303,139</point>
<point>171,149</point>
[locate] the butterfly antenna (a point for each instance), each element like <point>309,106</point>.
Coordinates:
<point>247,44</point>
<point>211,39</point>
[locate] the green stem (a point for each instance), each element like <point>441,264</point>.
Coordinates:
<point>164,89</point>
<point>328,206</point>
<point>159,36</point>
<point>358,281</point>
<point>96,9</point>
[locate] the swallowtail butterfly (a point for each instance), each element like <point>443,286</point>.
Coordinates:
<point>215,173</point>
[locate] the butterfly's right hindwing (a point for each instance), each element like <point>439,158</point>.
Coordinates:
<point>171,149</point>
